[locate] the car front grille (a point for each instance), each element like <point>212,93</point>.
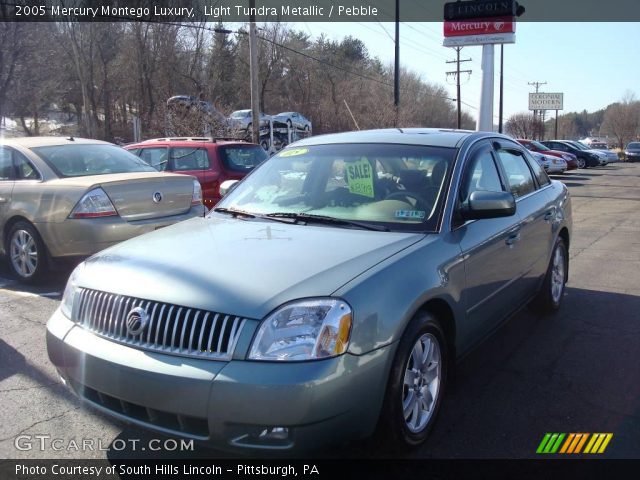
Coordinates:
<point>170,329</point>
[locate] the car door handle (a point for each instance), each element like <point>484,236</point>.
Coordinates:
<point>549,215</point>
<point>514,236</point>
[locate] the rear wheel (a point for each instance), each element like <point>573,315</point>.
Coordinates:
<point>550,296</point>
<point>27,257</point>
<point>416,384</point>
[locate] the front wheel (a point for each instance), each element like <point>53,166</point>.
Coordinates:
<point>416,384</point>
<point>27,257</point>
<point>550,296</point>
<point>582,163</point>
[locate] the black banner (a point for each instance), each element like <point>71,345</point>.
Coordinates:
<point>369,469</point>
<point>312,10</point>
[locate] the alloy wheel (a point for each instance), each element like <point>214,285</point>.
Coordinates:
<point>422,376</point>
<point>24,253</point>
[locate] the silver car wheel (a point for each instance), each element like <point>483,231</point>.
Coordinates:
<point>421,382</point>
<point>24,253</point>
<point>557,275</point>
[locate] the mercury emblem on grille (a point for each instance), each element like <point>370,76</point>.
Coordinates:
<point>137,320</point>
<point>157,197</point>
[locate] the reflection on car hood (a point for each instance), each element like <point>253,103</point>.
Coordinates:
<point>241,267</point>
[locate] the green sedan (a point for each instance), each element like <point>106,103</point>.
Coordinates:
<point>325,298</point>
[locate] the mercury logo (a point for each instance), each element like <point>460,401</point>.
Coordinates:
<point>157,197</point>
<point>137,320</point>
<point>498,25</point>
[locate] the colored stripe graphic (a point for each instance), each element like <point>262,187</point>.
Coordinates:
<point>573,443</point>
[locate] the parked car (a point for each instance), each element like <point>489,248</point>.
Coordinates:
<point>242,119</point>
<point>604,158</point>
<point>632,152</point>
<point>210,161</point>
<point>550,163</point>
<point>586,158</point>
<point>535,146</point>
<point>293,120</point>
<point>328,294</point>
<point>601,147</point>
<point>64,198</point>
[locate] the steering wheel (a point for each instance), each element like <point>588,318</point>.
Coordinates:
<point>420,202</point>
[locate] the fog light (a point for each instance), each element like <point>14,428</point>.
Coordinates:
<point>274,433</point>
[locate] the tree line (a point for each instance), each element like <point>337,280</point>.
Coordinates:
<point>619,122</point>
<point>105,75</point>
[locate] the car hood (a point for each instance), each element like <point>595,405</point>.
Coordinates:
<point>240,267</point>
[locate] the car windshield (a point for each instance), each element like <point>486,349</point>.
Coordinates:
<point>242,158</point>
<point>578,145</point>
<point>241,114</point>
<point>540,146</point>
<point>399,186</point>
<point>634,145</point>
<point>90,159</point>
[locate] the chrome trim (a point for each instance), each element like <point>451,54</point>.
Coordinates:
<point>104,314</point>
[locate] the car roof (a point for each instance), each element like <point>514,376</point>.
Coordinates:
<point>412,136</point>
<point>188,141</point>
<point>30,142</point>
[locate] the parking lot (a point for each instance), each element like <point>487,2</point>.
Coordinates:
<point>577,371</point>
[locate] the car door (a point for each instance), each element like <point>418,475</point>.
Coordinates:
<point>6,182</point>
<point>489,247</point>
<point>535,209</point>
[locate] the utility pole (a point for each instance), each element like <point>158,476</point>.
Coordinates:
<point>253,71</point>
<point>500,110</point>
<point>457,73</point>
<point>396,79</point>
<point>535,112</point>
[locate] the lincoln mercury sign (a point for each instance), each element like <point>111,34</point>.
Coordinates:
<point>545,101</point>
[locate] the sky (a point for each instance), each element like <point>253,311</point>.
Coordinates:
<point>593,64</point>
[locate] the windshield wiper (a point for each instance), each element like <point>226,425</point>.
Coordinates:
<point>311,218</point>
<point>234,212</point>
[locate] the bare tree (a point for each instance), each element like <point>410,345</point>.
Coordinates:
<point>524,125</point>
<point>622,120</point>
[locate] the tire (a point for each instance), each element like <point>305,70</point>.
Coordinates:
<point>549,298</point>
<point>408,392</point>
<point>26,253</point>
<point>582,163</point>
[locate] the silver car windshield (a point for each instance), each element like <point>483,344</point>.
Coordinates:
<point>90,159</point>
<point>400,186</point>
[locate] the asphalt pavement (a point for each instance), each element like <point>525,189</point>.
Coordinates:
<point>576,371</point>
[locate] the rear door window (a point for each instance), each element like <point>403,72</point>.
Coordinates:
<point>189,158</point>
<point>517,172</point>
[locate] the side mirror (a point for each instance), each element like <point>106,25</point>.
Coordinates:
<point>484,204</point>
<point>227,186</point>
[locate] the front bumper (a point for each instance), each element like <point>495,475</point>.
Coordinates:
<point>86,236</point>
<point>229,405</point>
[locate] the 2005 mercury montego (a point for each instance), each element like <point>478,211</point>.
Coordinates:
<point>326,296</point>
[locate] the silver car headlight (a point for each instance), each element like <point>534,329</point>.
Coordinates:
<point>66,306</point>
<point>304,330</point>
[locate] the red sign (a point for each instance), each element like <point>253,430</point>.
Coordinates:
<point>480,26</point>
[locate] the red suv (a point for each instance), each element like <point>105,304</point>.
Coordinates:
<point>210,161</point>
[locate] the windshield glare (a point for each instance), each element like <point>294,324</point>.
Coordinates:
<point>91,159</point>
<point>394,184</point>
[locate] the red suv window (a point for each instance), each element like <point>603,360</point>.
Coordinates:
<point>210,162</point>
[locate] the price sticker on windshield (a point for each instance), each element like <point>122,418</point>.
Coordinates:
<point>360,177</point>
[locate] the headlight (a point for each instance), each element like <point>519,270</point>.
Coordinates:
<point>70,291</point>
<point>304,330</point>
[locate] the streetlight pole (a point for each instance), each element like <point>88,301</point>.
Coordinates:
<point>253,70</point>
